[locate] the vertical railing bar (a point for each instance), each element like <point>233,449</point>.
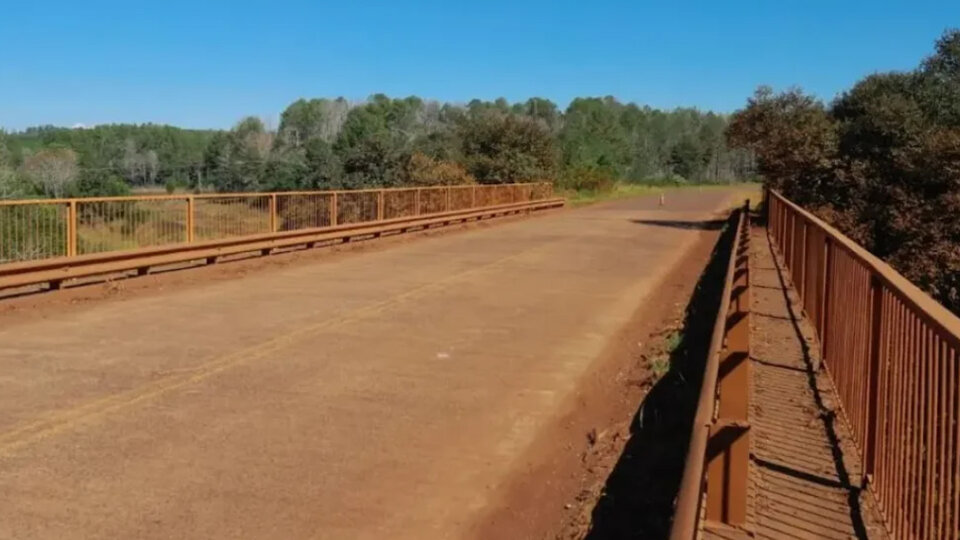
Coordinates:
<point>334,210</point>
<point>827,295</point>
<point>930,383</point>
<point>873,403</point>
<point>953,358</point>
<point>190,219</point>
<point>915,465</point>
<point>910,421</point>
<point>905,412</point>
<point>897,466</point>
<point>883,413</point>
<point>72,229</point>
<point>943,392</point>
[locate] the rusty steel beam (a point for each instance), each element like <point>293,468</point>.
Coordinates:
<point>719,445</point>
<point>728,462</point>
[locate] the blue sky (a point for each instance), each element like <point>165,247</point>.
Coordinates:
<point>208,63</point>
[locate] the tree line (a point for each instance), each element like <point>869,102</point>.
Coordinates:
<point>881,162</point>
<point>383,141</point>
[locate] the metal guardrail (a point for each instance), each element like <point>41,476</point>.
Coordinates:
<point>893,354</point>
<point>719,451</point>
<point>84,237</point>
<point>48,228</point>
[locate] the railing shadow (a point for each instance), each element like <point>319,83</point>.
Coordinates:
<point>707,225</point>
<point>638,497</point>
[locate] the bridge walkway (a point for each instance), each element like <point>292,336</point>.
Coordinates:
<point>805,477</point>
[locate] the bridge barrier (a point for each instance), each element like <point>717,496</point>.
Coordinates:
<point>892,353</point>
<point>716,471</point>
<point>56,239</point>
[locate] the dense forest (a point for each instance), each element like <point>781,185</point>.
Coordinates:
<point>881,162</point>
<point>332,143</point>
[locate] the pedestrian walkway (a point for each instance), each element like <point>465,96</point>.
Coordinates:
<point>805,476</point>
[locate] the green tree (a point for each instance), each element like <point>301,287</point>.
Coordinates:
<point>593,136</point>
<point>502,148</point>
<point>689,159</point>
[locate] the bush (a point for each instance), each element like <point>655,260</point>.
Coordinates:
<point>100,185</point>
<point>588,179</point>
<point>423,170</point>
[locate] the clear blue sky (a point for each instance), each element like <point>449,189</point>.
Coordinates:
<point>207,63</point>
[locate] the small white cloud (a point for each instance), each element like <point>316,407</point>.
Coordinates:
<point>79,126</point>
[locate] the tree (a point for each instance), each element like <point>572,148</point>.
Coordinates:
<point>793,138</point>
<point>689,159</point>
<point>52,169</point>
<point>423,170</point>
<point>882,163</point>
<point>593,136</point>
<point>502,148</point>
<point>373,161</point>
<point>238,160</point>
<point>324,170</point>
<point>305,120</point>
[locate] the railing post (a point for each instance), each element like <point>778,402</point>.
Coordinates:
<point>72,228</point>
<point>473,197</point>
<point>273,212</point>
<point>876,365</point>
<point>380,205</point>
<point>416,203</point>
<point>448,198</point>
<point>190,218</point>
<point>827,291</point>
<point>333,210</point>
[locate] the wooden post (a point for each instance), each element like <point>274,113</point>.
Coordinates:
<point>416,204</point>
<point>448,197</point>
<point>473,197</point>
<point>380,205</point>
<point>72,228</point>
<point>190,219</point>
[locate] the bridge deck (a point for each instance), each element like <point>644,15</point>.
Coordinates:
<point>805,475</point>
<point>377,395</point>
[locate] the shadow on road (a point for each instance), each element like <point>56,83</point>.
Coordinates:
<point>709,225</point>
<point>638,497</point>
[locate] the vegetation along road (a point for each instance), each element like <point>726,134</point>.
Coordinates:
<point>368,395</point>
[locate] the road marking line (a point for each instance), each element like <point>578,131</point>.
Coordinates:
<point>18,437</point>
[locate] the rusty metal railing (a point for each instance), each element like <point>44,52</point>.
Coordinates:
<point>34,230</point>
<point>717,464</point>
<point>892,353</point>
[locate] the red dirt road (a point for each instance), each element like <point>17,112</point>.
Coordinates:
<point>376,395</point>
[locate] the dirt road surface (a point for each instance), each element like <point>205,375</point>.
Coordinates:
<point>378,395</point>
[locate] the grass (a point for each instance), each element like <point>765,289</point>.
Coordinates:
<point>660,364</point>
<point>624,190</point>
<point>619,191</point>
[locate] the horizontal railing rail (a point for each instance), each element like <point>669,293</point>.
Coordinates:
<point>40,229</point>
<point>55,271</point>
<point>716,468</point>
<point>892,352</point>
